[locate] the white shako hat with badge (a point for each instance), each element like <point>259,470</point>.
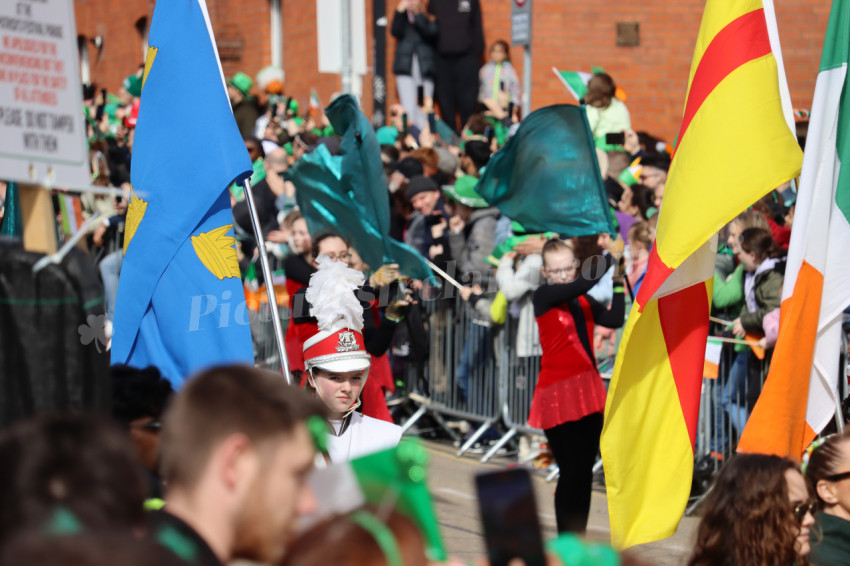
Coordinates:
<point>339,344</point>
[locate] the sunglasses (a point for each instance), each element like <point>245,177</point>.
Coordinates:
<point>803,509</point>
<point>838,477</point>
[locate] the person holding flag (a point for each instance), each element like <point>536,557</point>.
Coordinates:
<point>570,396</point>
<point>180,304</point>
<point>737,103</point>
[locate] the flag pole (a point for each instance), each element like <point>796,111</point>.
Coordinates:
<point>267,278</point>
<point>442,273</point>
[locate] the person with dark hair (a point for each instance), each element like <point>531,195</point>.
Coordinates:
<point>762,292</point>
<point>605,113</point>
<point>358,538</point>
<point>237,448</point>
<point>413,64</point>
<point>763,279</point>
<point>460,41</point>
<point>653,175</point>
<point>61,470</point>
<point>476,154</point>
<point>759,511</point>
<point>139,397</point>
<point>570,397</point>
<point>303,143</point>
<point>826,466</point>
<point>430,216</point>
<point>401,172</point>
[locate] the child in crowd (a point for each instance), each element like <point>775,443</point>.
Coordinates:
<point>605,113</point>
<point>498,80</point>
<point>763,278</point>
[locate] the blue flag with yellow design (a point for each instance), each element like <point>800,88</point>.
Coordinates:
<point>180,302</point>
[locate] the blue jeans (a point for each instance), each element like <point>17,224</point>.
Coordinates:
<point>474,355</point>
<point>734,396</point>
<point>110,269</point>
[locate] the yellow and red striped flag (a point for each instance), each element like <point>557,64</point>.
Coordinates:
<point>735,145</point>
<point>805,364</point>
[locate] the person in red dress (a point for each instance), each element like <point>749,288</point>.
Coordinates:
<point>569,398</point>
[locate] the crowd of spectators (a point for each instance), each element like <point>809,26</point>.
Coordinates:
<point>221,460</point>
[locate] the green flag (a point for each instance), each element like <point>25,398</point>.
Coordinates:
<point>328,206</point>
<point>547,177</point>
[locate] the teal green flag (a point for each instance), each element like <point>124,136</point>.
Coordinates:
<point>11,225</point>
<point>328,206</point>
<point>362,169</point>
<point>348,194</point>
<point>547,177</point>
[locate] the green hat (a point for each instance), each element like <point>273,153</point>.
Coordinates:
<point>463,191</point>
<point>387,135</point>
<point>133,85</point>
<point>509,244</point>
<point>241,82</point>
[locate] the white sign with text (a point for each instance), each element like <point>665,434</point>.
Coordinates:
<point>42,128</point>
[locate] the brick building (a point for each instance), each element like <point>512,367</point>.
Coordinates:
<point>569,34</point>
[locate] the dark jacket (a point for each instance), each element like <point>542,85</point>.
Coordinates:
<point>246,113</point>
<point>830,541</point>
<point>264,199</point>
<point>461,30</point>
<point>768,291</point>
<point>418,234</point>
<point>414,38</point>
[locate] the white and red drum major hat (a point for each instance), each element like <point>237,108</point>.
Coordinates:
<point>338,345</point>
<point>340,349</point>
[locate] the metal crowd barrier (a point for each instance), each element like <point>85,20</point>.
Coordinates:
<point>462,372</point>
<point>500,383</point>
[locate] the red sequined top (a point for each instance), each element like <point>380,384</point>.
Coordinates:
<point>569,386</point>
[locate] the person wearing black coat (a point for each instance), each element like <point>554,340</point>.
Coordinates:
<point>460,43</point>
<point>414,57</point>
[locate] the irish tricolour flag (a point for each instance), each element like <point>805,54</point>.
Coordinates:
<point>817,278</point>
<point>575,81</point>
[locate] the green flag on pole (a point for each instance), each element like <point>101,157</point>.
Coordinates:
<point>547,176</point>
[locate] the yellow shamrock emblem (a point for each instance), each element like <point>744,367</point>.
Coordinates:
<point>135,213</point>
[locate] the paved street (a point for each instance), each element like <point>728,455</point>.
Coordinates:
<point>452,484</point>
